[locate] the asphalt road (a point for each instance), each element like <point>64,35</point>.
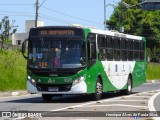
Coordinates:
<point>157,103</point>
<point>83,105</point>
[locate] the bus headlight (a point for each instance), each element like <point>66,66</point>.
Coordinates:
<point>78,80</point>
<point>29,77</point>
<point>31,80</point>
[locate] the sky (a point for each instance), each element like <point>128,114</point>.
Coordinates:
<point>57,12</point>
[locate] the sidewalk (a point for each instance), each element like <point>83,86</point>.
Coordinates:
<point>153,81</point>
<point>14,93</point>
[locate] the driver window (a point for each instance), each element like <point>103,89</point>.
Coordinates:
<point>91,48</point>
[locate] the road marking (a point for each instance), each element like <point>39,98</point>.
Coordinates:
<point>115,105</point>
<point>140,96</point>
<point>81,119</point>
<point>89,103</point>
<point>151,104</point>
<point>129,100</point>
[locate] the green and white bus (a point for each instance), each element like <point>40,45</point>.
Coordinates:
<point>76,60</point>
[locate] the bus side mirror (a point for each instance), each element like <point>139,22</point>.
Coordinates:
<point>24,44</point>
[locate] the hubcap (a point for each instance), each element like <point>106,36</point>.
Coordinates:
<point>99,88</point>
<point>129,85</point>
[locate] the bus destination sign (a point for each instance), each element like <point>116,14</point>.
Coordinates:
<point>57,32</point>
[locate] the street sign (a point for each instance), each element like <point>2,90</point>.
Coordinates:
<point>150,5</point>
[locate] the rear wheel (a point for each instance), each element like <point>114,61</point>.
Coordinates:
<point>98,90</point>
<point>128,91</point>
<point>47,97</point>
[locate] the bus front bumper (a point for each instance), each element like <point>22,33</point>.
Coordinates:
<point>80,88</point>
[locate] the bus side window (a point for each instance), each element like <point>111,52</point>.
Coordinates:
<point>101,46</point>
<point>136,50</point>
<point>108,42</point>
<point>142,50</point>
<point>109,48</point>
<point>130,49</point>
<point>91,47</point>
<point>117,55</point>
<point>123,49</point>
<point>92,50</point>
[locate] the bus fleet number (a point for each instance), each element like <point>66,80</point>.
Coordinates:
<point>43,64</point>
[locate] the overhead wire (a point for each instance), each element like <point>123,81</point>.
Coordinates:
<point>58,20</point>
<point>16,4</point>
<point>17,15</point>
<point>67,14</point>
<point>14,12</point>
<point>45,16</point>
<point>71,16</point>
<point>41,16</point>
<point>54,19</point>
<point>41,4</point>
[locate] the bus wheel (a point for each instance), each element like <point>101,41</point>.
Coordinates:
<point>47,97</point>
<point>128,91</point>
<point>98,90</point>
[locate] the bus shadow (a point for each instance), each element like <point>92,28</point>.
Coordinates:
<point>65,98</point>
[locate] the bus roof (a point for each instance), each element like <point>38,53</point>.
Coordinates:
<point>116,33</point>
<point>93,30</point>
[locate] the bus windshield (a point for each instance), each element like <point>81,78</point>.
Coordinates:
<point>56,53</point>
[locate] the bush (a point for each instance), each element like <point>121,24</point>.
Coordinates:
<point>12,71</point>
<point>153,55</point>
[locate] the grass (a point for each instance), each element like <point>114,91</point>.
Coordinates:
<point>153,71</point>
<point>12,71</point>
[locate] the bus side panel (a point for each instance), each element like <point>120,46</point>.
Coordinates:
<point>91,78</point>
<point>92,74</point>
<point>107,85</point>
<point>139,74</point>
<point>117,73</point>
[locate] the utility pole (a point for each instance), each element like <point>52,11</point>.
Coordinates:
<point>36,18</point>
<point>104,14</point>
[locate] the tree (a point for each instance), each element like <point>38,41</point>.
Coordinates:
<point>137,22</point>
<point>5,31</point>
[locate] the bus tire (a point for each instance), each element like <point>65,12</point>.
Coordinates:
<point>98,90</point>
<point>47,97</point>
<point>128,91</point>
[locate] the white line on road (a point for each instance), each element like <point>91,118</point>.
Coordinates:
<point>130,100</point>
<point>151,104</point>
<point>89,103</point>
<point>139,96</point>
<point>115,105</point>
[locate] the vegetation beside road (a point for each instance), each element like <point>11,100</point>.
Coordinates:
<point>13,71</point>
<point>153,71</point>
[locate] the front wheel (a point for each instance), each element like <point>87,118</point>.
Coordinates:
<point>47,97</point>
<point>98,90</point>
<point>128,91</point>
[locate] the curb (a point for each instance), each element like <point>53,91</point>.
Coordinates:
<point>152,81</point>
<point>15,93</point>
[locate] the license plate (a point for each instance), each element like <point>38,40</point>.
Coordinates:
<point>53,89</point>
